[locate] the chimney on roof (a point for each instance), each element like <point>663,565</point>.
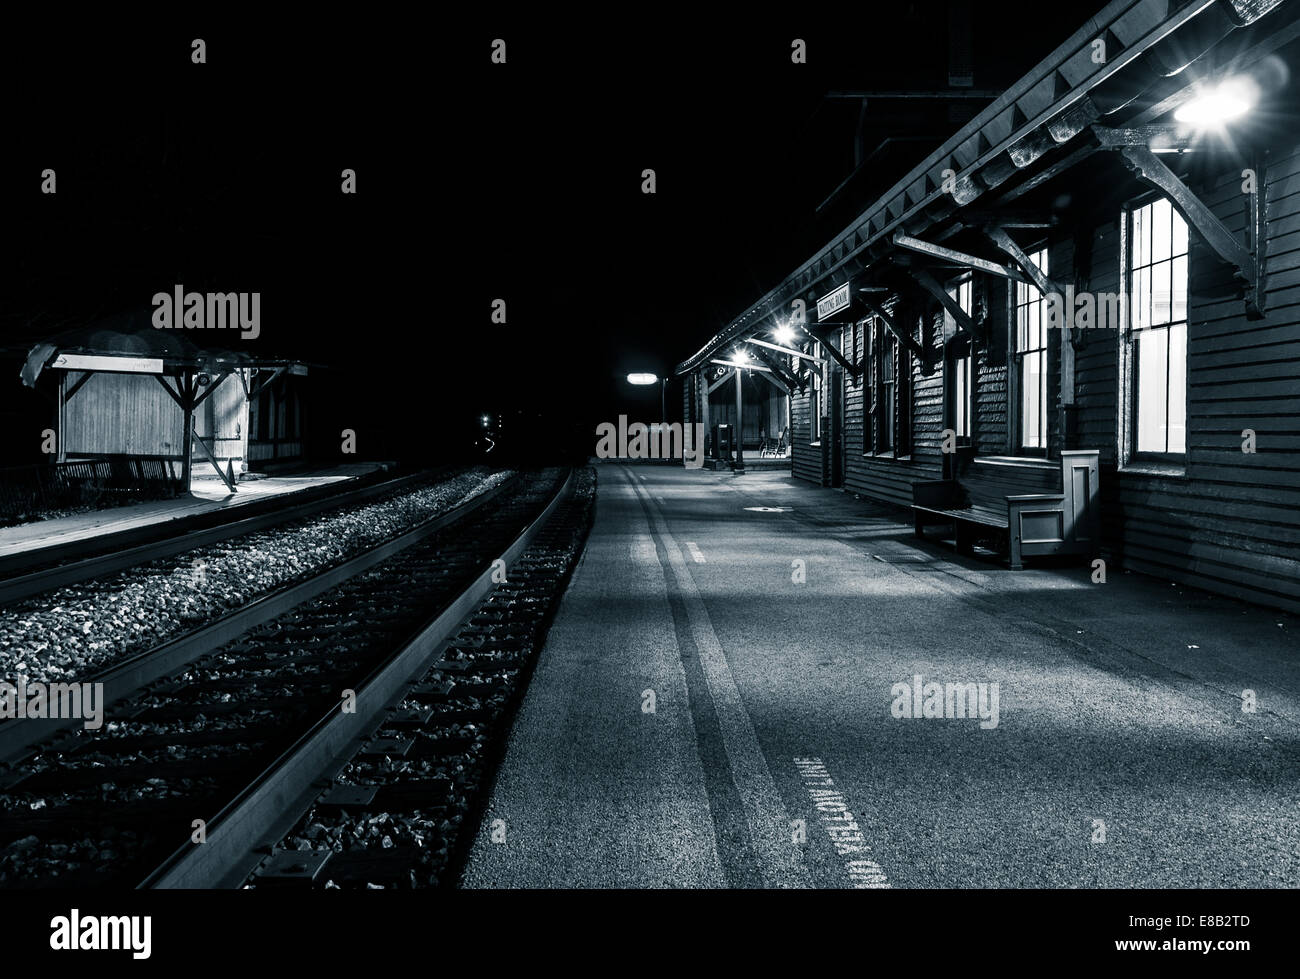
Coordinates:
<point>961,59</point>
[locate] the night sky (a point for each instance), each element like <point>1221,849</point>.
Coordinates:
<point>475,181</point>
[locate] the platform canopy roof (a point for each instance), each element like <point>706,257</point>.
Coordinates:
<point>129,344</point>
<point>1067,108</point>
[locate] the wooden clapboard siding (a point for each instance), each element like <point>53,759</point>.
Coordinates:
<point>1096,362</point>
<point>126,414</point>
<point>806,459</point>
<point>991,432</point>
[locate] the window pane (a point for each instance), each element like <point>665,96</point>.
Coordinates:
<point>1152,401</point>
<point>1033,382</point>
<point>1035,328</point>
<point>1141,299</point>
<point>1141,236</point>
<point>1180,234</point>
<point>1161,229</point>
<point>1178,388</point>
<point>1160,273</point>
<point>962,395</point>
<point>1178,311</point>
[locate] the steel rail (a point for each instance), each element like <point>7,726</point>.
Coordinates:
<point>238,836</point>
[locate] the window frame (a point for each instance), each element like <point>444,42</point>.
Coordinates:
<point>816,384</point>
<point>1016,363</point>
<point>954,289</point>
<point>1170,463</point>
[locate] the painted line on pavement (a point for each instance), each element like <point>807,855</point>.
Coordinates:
<point>769,822</point>
<point>696,554</point>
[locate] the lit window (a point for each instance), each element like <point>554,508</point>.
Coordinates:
<point>1031,359</point>
<point>885,436</point>
<point>1157,334</point>
<point>815,401</point>
<point>963,392</point>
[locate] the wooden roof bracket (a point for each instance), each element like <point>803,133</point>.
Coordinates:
<point>786,377</point>
<point>76,386</point>
<point>212,386</point>
<point>957,258</point>
<point>1151,170</point>
<point>258,388</point>
<point>835,355</point>
<point>905,338</point>
<point>721,381</point>
<point>965,324</point>
<point>779,385</point>
<point>1044,283</point>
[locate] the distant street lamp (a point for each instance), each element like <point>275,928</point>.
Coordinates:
<point>645,378</point>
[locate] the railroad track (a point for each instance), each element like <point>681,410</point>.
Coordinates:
<point>126,676</point>
<point>69,564</point>
<point>240,737</point>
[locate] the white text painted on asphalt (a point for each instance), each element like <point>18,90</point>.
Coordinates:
<point>842,828</point>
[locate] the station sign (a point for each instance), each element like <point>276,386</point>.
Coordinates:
<point>833,302</point>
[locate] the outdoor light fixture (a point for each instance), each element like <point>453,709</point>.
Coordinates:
<point>1215,105</point>
<point>642,379</point>
<point>784,335</point>
<point>486,421</point>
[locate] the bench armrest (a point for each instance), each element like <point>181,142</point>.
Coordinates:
<point>1037,498</point>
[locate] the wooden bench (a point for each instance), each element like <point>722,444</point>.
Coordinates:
<point>1036,506</point>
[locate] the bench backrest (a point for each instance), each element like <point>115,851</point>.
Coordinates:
<point>988,483</point>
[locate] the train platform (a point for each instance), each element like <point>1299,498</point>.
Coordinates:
<point>736,692</point>
<point>208,494</point>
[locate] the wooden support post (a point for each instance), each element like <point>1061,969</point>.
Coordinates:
<point>740,424</point>
<point>62,456</point>
<point>704,405</point>
<point>187,446</point>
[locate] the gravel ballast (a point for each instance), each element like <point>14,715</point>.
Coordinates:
<point>75,631</point>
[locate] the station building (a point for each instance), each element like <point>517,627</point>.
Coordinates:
<point>1089,291</point>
